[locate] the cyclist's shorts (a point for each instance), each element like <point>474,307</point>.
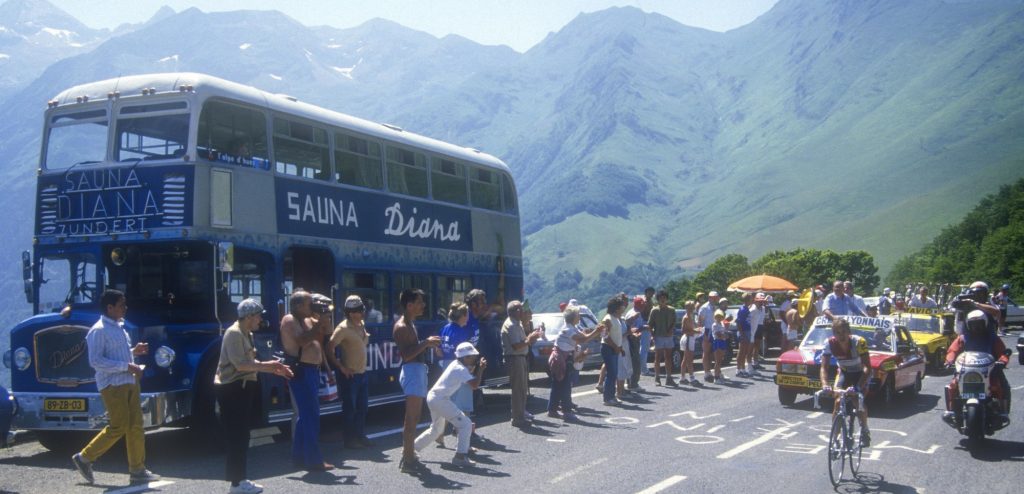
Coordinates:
<point>847,379</point>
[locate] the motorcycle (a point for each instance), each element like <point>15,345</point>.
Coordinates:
<point>976,411</point>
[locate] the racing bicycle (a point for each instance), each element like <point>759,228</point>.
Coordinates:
<point>844,438</point>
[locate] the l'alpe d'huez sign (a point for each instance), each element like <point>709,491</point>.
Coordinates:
<point>114,201</point>
<point>305,208</point>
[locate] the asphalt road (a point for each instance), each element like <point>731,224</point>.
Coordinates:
<point>733,438</point>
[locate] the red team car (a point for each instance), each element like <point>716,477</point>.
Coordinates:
<point>897,363</point>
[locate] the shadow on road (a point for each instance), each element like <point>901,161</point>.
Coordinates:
<point>873,482</point>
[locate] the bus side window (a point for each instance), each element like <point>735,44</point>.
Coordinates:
<point>421,281</point>
<point>247,280</point>
<point>448,181</point>
<point>484,189</point>
<point>372,288</point>
<point>407,172</point>
<point>357,161</point>
<point>451,290</point>
<point>301,149</point>
<point>232,134</point>
<point>508,194</point>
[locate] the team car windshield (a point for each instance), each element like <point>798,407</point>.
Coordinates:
<point>879,340</point>
<point>921,324</point>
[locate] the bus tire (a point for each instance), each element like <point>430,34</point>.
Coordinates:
<point>64,442</point>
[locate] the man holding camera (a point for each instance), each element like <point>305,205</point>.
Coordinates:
<point>301,337</point>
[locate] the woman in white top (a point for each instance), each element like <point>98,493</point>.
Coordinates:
<point>443,409</point>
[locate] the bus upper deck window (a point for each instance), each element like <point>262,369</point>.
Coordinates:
<point>448,181</point>
<point>230,133</point>
<point>301,149</point>
<point>508,194</point>
<point>77,138</point>
<point>152,132</point>
<point>407,172</point>
<point>484,189</point>
<point>358,161</point>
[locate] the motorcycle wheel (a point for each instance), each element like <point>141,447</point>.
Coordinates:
<point>974,424</point>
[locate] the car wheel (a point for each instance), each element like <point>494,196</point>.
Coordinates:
<point>787,397</point>
<point>917,385</point>
<point>888,392</point>
<point>939,360</point>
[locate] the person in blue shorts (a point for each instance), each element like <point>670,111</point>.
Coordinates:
<point>719,344</point>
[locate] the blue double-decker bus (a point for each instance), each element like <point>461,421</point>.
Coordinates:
<point>190,193</point>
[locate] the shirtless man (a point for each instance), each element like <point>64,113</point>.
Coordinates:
<point>301,338</point>
<point>414,372</point>
<point>793,325</point>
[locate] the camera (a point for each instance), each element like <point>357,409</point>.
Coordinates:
<point>321,307</point>
<point>963,302</point>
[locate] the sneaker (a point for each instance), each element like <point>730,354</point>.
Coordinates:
<point>411,466</point>
<point>709,378</point>
<point>439,441</point>
<point>246,487</point>
<point>670,382</point>
<point>865,438</point>
<point>143,476</point>
<point>555,415</point>
<point>720,377</point>
<point>741,373</point>
<point>694,381</point>
<point>612,402</point>
<point>463,462</point>
<point>657,381</point>
<point>599,388</point>
<point>83,466</point>
<point>528,415</point>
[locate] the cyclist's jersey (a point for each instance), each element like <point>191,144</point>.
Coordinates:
<point>848,360</point>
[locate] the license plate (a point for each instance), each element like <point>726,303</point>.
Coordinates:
<point>65,405</point>
<point>798,381</point>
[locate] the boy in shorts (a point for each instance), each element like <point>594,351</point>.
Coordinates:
<point>719,344</point>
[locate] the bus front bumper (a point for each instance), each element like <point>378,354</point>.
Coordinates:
<point>157,409</point>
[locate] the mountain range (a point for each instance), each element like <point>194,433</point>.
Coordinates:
<point>636,142</point>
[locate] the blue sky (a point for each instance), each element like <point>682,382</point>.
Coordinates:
<point>516,23</point>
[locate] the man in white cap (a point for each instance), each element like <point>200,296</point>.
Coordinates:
<point>706,319</point>
<point>443,409</point>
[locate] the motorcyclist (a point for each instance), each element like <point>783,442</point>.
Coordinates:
<point>979,336</point>
<point>853,361</point>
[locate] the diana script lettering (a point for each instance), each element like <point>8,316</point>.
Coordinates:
<point>412,227</point>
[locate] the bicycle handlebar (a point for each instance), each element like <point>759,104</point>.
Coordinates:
<point>837,393</point>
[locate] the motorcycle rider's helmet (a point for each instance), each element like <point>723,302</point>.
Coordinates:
<point>977,323</point>
<point>1006,287</point>
<point>978,292</point>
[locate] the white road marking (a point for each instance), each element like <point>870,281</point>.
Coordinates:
<point>741,419</point>
<point>664,484</point>
<point>398,430</point>
<point>556,440</point>
<point>141,487</point>
<point>715,429</point>
<point>814,415</point>
<point>750,444</point>
<point>1018,388</point>
<point>577,470</point>
<point>584,393</point>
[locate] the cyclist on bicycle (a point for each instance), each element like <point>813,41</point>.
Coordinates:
<point>851,354</point>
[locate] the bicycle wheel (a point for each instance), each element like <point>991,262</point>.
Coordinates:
<point>853,443</point>
<point>837,450</point>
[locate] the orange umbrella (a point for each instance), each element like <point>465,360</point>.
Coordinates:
<point>762,283</point>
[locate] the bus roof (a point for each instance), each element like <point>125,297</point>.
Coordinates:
<point>209,86</point>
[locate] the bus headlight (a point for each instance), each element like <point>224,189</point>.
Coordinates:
<point>164,357</point>
<point>22,358</point>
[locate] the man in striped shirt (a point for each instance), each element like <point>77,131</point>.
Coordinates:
<point>111,355</point>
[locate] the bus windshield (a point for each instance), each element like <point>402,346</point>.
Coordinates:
<point>76,138</point>
<point>171,281</point>
<point>66,279</point>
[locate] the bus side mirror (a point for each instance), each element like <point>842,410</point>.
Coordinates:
<point>26,275</point>
<point>226,257</point>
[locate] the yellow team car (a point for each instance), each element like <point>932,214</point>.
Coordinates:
<point>932,331</point>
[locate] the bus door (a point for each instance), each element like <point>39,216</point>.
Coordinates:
<point>310,269</point>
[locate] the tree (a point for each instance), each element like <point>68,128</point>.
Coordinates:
<point>720,273</point>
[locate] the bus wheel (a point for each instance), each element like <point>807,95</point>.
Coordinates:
<point>64,442</point>
<point>203,423</point>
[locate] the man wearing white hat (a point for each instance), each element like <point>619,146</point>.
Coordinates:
<point>443,409</point>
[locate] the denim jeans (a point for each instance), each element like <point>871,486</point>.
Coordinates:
<point>354,394</point>
<point>611,371</point>
<point>304,386</point>
<point>645,349</point>
<point>561,390</point>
